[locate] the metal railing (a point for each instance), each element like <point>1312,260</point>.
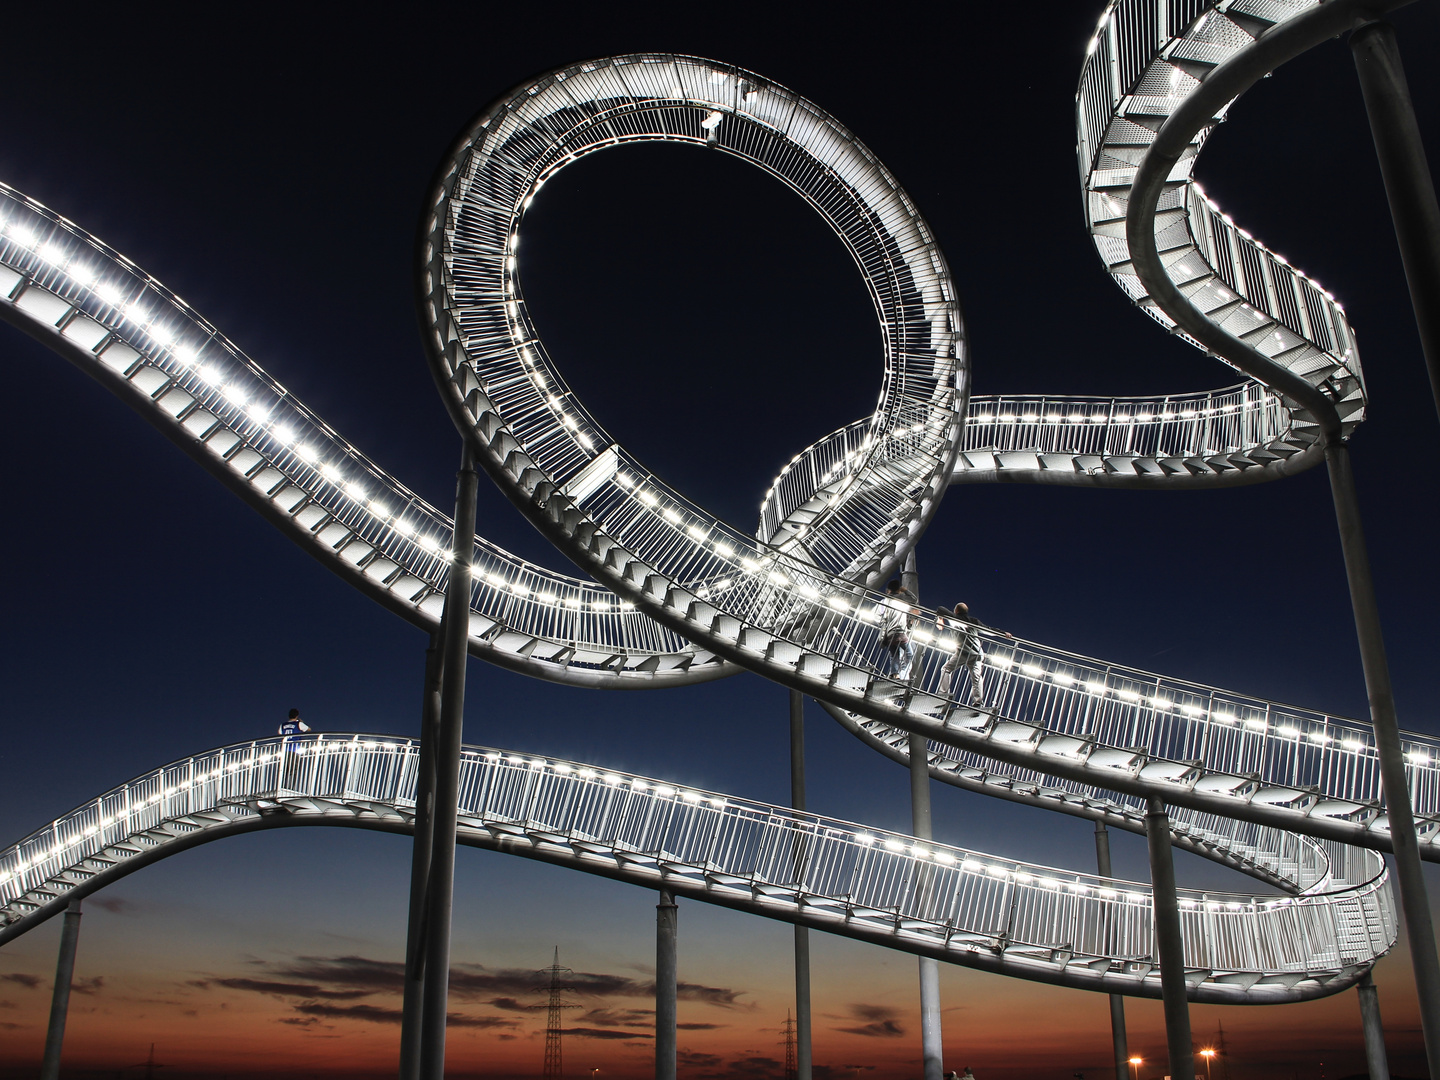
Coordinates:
<point>966,905</point>
<point>207,392</point>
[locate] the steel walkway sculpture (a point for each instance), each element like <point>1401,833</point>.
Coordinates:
<point>962,906</point>
<point>1288,795</point>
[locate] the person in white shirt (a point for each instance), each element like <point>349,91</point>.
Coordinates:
<point>895,612</point>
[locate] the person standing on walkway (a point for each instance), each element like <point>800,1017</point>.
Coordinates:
<point>968,651</point>
<point>293,725</point>
<point>895,618</point>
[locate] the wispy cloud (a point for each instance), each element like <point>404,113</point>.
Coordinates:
<point>30,982</point>
<point>877,1022</point>
<point>378,1014</point>
<point>286,989</point>
<point>605,1033</point>
<point>88,986</point>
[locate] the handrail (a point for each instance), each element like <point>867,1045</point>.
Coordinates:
<point>964,906</point>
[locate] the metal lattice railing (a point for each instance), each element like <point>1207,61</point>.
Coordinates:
<point>858,880</point>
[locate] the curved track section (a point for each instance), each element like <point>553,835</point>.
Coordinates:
<point>118,324</point>
<point>961,906</point>
<point>774,608</point>
<point>1054,728</point>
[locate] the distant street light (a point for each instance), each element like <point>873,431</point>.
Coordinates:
<point>1209,1056</point>
<point>1135,1064</point>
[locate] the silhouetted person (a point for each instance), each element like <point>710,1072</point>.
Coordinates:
<point>895,612</point>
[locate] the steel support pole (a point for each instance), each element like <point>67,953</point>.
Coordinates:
<point>802,934</point>
<point>1409,877</point>
<point>455,641</point>
<point>60,999</point>
<point>1376,1062</point>
<point>931,1039</point>
<point>1169,943</point>
<point>1408,184</point>
<point>1117,1001</point>
<point>667,931</point>
<point>420,862</point>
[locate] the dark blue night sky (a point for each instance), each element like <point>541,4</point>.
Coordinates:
<point>270,171</point>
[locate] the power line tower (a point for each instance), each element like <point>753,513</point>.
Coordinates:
<point>792,1071</point>
<point>554,1023</point>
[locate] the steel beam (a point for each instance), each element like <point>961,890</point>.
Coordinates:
<point>931,1038</point>
<point>420,861</point>
<point>1409,876</point>
<point>1409,187</point>
<point>1376,1062</point>
<point>1117,1001</point>
<point>667,930</point>
<point>803,1057</point>
<point>455,635</point>
<point>60,999</point>
<point>1169,943</point>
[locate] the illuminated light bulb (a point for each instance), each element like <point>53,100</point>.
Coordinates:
<point>777,578</point>
<point>135,312</point>
<point>1161,703</point>
<point>184,355</point>
<point>838,603</point>
<point>1048,883</point>
<point>891,844</point>
<point>545,597</point>
<point>725,551</point>
<point>1030,418</point>
<point>1318,737</point>
<point>600,605</point>
<point>1053,418</point>
<point>696,532</point>
<point>749,565</point>
<point>518,589</point>
<point>1288,732</point>
<point>983,418</point>
<point>283,435</point>
<point>1418,758</point>
<point>999,661</point>
<point>648,498</point>
<point>572,601</point>
<point>1032,670</point>
<point>1128,695</point>
<point>305,452</point>
<point>234,394</point>
<point>670,516</point>
<point>809,591</point>
<point>258,413</point>
<point>208,374</point>
<point>429,544</point>
<point>82,275</point>
<point>1192,710</point>
<point>379,509</point>
<point>722,585</point>
<point>624,480</point>
<point>1256,724</point>
<point>109,294</point>
<point>21,235</point>
<point>1225,718</point>
<point>355,491</point>
<point>1352,745</point>
<point>1061,678</point>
